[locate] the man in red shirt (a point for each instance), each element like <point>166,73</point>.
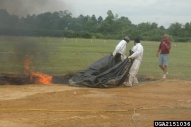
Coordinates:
<point>164,50</point>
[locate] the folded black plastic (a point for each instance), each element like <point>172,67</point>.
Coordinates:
<point>104,73</point>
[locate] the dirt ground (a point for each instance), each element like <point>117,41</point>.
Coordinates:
<point>64,106</point>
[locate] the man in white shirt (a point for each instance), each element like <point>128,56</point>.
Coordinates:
<point>121,48</point>
<point>137,56</point>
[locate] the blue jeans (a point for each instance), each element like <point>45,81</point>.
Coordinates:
<point>163,60</point>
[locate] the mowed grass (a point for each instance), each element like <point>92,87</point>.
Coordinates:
<point>57,56</point>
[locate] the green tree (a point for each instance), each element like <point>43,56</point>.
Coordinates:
<point>65,21</point>
<point>175,29</point>
<point>110,17</point>
<point>99,20</point>
<point>106,26</point>
<point>188,29</point>
<point>120,26</point>
<point>7,20</point>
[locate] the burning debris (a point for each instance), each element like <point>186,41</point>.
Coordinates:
<point>40,78</point>
<point>27,56</point>
<point>35,77</point>
<point>12,79</point>
<point>31,77</point>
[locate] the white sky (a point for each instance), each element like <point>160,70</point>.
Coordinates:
<point>163,12</point>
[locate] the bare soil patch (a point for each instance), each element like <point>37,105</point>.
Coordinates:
<point>64,106</point>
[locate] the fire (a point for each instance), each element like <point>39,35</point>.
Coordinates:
<point>40,78</point>
<point>36,77</point>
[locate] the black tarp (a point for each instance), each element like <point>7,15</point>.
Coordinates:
<point>104,73</point>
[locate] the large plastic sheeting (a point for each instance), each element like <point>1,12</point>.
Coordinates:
<point>105,73</point>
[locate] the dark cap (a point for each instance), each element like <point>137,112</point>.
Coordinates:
<point>137,40</point>
<point>126,38</point>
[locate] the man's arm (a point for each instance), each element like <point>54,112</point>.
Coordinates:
<point>114,52</point>
<point>159,50</point>
<point>118,48</point>
<point>157,54</point>
<point>168,46</point>
<point>136,53</point>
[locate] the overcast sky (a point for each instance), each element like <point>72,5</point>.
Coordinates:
<point>163,12</point>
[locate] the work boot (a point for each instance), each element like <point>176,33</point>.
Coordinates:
<point>164,76</point>
<point>127,84</point>
<point>135,81</point>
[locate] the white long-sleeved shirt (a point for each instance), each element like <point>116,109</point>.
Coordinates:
<point>121,48</point>
<point>138,52</point>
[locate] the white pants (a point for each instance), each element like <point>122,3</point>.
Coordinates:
<point>123,57</point>
<point>133,72</point>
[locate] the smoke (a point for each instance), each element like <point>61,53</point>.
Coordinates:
<point>33,49</point>
<point>24,7</point>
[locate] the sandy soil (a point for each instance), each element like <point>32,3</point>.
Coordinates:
<point>65,106</point>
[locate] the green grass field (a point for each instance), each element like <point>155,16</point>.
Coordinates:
<point>63,56</point>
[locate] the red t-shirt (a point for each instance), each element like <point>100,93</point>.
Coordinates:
<point>163,48</point>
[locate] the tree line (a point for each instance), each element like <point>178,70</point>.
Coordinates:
<point>63,24</point>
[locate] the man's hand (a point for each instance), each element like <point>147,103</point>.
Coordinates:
<point>165,44</point>
<point>157,54</point>
<point>129,57</point>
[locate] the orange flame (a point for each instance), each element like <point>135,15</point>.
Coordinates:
<point>36,77</point>
<point>40,78</point>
